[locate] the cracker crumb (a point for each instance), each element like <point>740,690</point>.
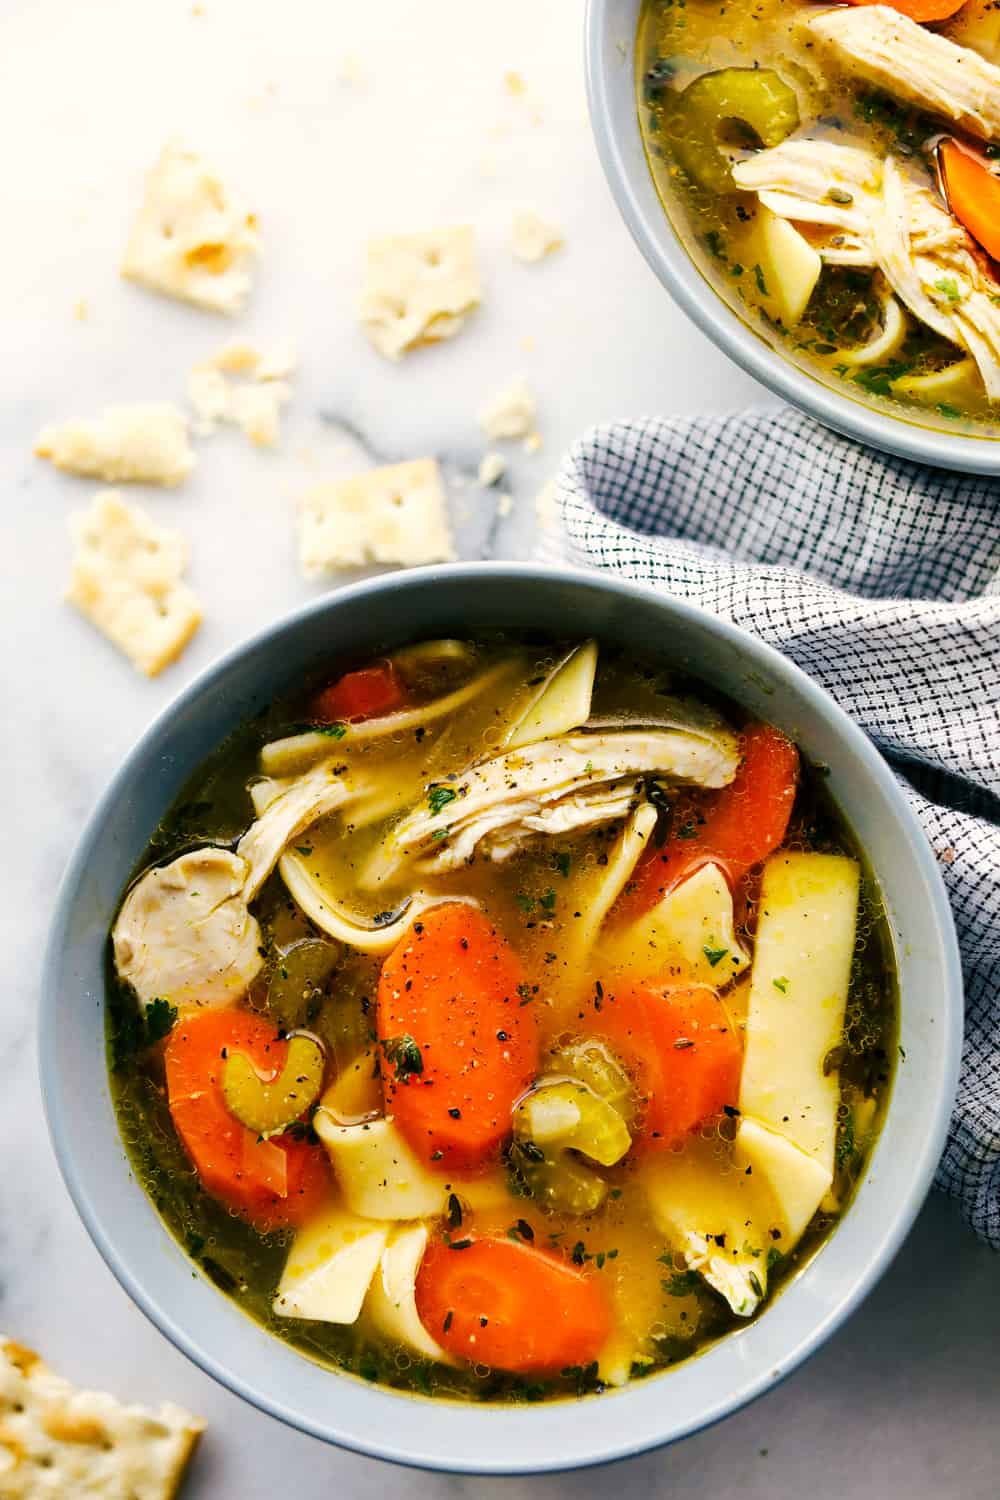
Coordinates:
<point>351,71</point>
<point>254,403</point>
<point>546,509</point>
<point>509,414</point>
<point>492,468</point>
<point>533,238</point>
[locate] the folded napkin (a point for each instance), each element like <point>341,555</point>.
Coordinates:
<point>882,580</point>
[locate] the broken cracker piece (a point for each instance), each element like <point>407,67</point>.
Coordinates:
<point>393,515</point>
<point>419,288</point>
<point>57,1441</point>
<point>510,414</point>
<point>145,442</point>
<point>127,579</point>
<point>191,239</point>
<point>254,404</point>
<point>533,238</point>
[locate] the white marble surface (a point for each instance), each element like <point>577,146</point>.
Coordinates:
<point>338,120</point>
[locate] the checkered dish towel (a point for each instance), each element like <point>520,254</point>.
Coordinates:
<point>882,580</point>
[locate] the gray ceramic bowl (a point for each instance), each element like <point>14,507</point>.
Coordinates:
<point>610,64</point>
<point>345,1410</point>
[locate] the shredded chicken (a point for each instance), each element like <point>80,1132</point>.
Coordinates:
<point>552,786</point>
<point>285,811</point>
<point>894,222</point>
<point>913,63</point>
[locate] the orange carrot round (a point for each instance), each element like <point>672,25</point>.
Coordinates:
<point>921,11</point>
<point>973,195</point>
<point>511,1307</point>
<point>272,1183</point>
<point>458,1035</point>
<point>361,695</point>
<point>736,827</point>
<point>680,1047</point>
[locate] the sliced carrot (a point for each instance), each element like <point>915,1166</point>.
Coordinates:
<point>921,11</point>
<point>458,1034</point>
<point>512,1307</point>
<point>736,827</point>
<point>679,1046</point>
<point>361,695</point>
<point>973,195</point>
<point>271,1183</point>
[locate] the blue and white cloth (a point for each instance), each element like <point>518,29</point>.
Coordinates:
<point>882,580</point>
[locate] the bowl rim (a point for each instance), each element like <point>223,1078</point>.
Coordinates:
<point>611,1444</point>
<point>654,234</point>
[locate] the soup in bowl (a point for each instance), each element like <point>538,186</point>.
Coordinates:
<point>506,1016</point>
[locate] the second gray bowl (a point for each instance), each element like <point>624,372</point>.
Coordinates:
<point>610,63</point>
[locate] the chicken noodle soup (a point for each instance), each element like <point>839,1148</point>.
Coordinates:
<point>832,174</point>
<point>500,1020</point>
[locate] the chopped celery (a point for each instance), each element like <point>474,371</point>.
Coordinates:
<point>297,980</point>
<point>558,1181</point>
<point>569,1116</point>
<point>595,1065</point>
<point>269,1108</point>
<point>725,111</point>
<point>552,1124</point>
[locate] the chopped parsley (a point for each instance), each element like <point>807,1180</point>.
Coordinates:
<point>332,731</point>
<point>878,379</point>
<point>562,864</point>
<point>548,901</point>
<point>454,1212</point>
<point>304,849</point>
<point>714,955</point>
<point>160,1017</point>
<point>948,287</point>
<point>405,1055</point>
<point>758,276</point>
<point>681,1284</point>
<point>439,796</point>
<point>521,1230</point>
<point>135,1030</point>
<point>781,984</point>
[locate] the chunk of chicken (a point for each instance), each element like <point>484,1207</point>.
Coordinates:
<point>824,184</point>
<point>285,811</point>
<point>553,786</point>
<point>912,63</point>
<point>184,933</point>
<point>900,226</point>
